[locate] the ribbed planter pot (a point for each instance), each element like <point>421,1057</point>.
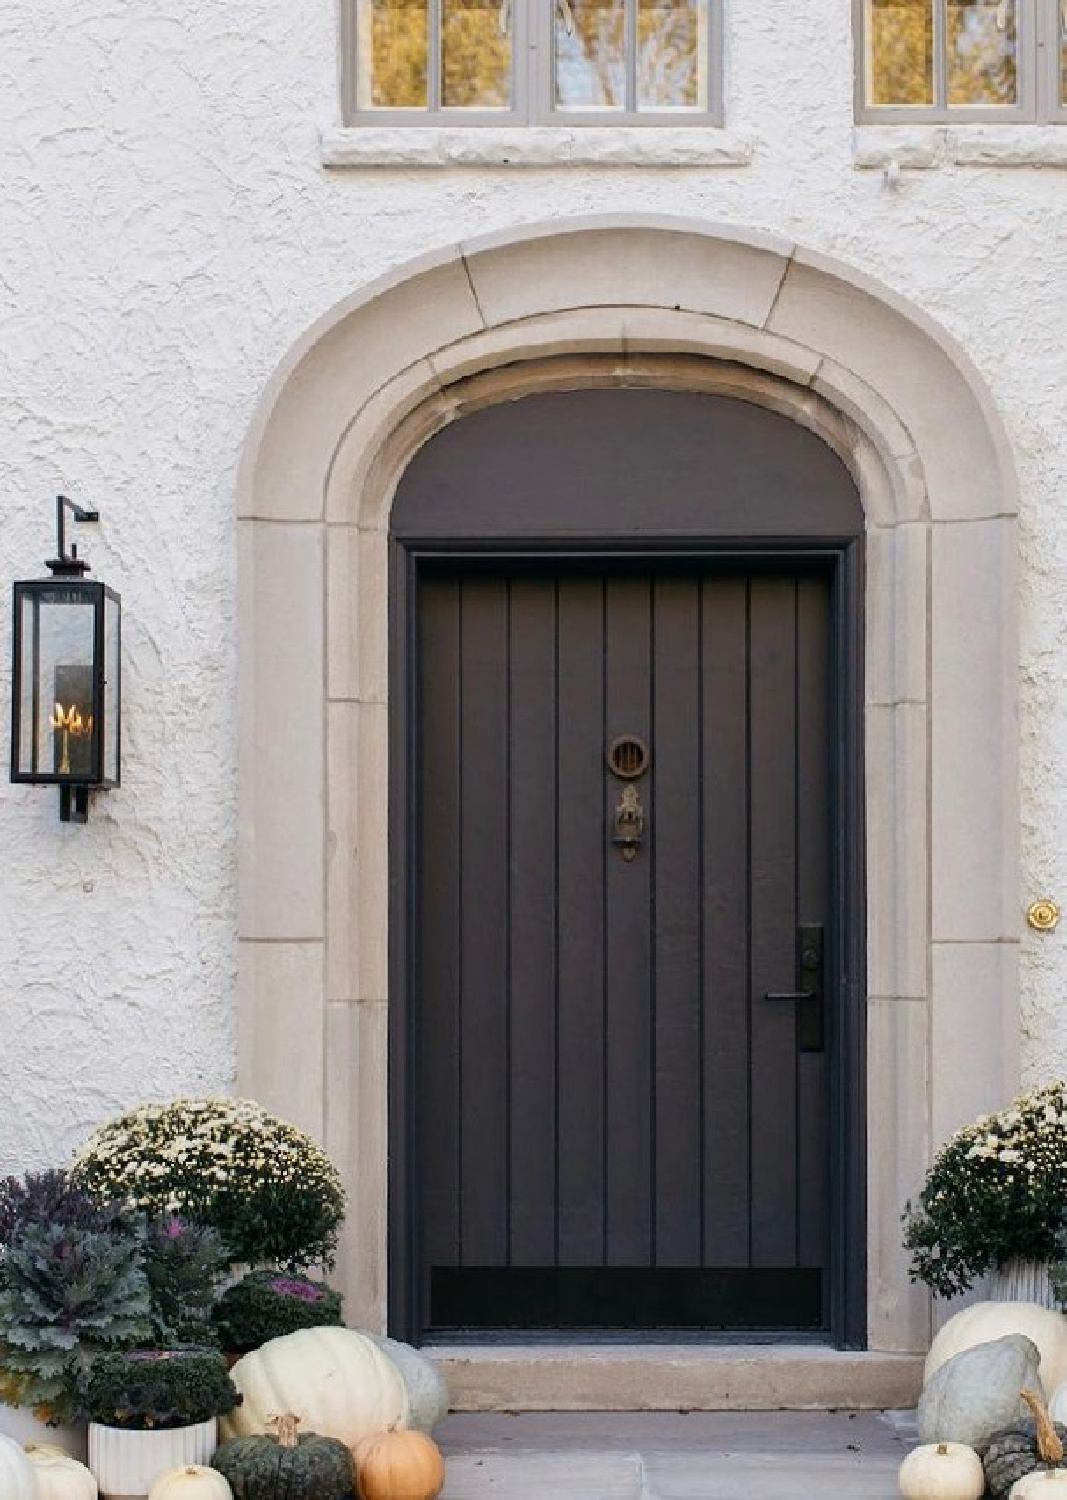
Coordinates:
<point>1023,1281</point>
<point>126,1463</point>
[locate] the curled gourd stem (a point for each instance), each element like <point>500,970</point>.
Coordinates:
<point>285,1427</point>
<point>1049,1445</point>
<point>942,1450</point>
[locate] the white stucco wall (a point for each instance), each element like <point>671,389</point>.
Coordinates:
<point>167,230</point>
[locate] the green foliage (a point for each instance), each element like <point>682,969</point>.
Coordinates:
<point>996,1190</point>
<point>146,1389</point>
<point>184,1264</point>
<point>269,1190</point>
<point>67,1294</point>
<point>266,1304</point>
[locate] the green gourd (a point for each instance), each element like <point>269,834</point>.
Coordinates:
<point>1021,1449</point>
<point>286,1467</point>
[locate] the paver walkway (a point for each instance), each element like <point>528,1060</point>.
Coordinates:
<point>675,1456</point>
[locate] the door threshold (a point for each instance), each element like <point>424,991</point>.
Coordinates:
<point>675,1377</point>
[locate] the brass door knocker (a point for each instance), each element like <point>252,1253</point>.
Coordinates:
<point>629,823</point>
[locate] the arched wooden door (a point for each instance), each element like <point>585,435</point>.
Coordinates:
<point>627,965</point>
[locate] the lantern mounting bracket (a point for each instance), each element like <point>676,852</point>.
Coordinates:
<point>68,564</point>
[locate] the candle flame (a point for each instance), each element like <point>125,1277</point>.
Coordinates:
<point>71,720</point>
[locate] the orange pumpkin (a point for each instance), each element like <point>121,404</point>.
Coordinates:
<point>399,1466</point>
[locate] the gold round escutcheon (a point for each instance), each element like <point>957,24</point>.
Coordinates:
<point>1043,915</point>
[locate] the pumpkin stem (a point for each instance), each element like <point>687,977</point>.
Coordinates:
<point>1049,1445</point>
<point>286,1428</point>
<point>942,1450</point>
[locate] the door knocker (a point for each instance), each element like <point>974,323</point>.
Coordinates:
<point>629,823</point>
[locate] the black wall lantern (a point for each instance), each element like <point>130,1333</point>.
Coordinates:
<point>66,677</point>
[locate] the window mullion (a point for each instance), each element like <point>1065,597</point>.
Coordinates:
<point>631,56</point>
<point>435,62</point>
<point>941,55</point>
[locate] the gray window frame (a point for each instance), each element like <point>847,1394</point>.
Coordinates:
<point>533,80</point>
<point>1040,25</point>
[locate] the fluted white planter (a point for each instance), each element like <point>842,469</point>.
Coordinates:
<point>1023,1281</point>
<point>126,1463</point>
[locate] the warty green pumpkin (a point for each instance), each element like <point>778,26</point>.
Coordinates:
<point>286,1467</point>
<point>1022,1448</point>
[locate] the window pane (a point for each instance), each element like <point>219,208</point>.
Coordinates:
<point>981,52</point>
<point>672,54</point>
<point>900,52</point>
<point>392,40</point>
<point>590,63</point>
<point>476,43</point>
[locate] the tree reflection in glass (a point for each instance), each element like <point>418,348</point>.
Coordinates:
<point>900,52</point>
<point>982,53</point>
<point>590,54</point>
<point>392,45</point>
<point>476,54</point>
<point>672,54</point>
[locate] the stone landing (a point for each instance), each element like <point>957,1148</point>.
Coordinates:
<point>677,1378</point>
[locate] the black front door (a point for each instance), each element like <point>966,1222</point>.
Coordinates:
<point>620,1001</point>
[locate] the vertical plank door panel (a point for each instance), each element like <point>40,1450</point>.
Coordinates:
<point>772,915</point>
<point>673,794</point>
<point>435,1036</point>
<point>582,859</point>
<point>630,1041</point>
<point>724,785</point>
<point>484,921</point>
<point>532,906</point>
<point>813,906</point>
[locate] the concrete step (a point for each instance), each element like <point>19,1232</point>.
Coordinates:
<point>677,1377</point>
<point>672,1456</point>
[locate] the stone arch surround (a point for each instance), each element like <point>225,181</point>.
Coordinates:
<point>676,304</point>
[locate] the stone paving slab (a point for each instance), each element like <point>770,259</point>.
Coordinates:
<point>675,1456</point>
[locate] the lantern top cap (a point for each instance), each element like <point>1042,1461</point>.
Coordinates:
<point>68,564</point>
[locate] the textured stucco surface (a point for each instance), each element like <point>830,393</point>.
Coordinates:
<point>167,231</point>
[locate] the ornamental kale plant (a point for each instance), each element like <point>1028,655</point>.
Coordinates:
<point>67,1294</point>
<point>266,1304</point>
<point>996,1190</point>
<point>184,1263</point>
<point>146,1389</point>
<point>266,1187</point>
<point>54,1198</point>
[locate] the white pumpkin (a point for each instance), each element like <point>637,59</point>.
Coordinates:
<point>18,1480</point>
<point>1047,1483</point>
<point>942,1471</point>
<point>61,1478</point>
<point>986,1321</point>
<point>191,1482</point>
<point>335,1380</point>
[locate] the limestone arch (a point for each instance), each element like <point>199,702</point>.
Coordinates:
<point>630,301</point>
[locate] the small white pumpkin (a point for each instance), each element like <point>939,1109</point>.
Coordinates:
<point>61,1477</point>
<point>18,1479</point>
<point>942,1471</point>
<point>986,1321</point>
<point>1047,1483</point>
<point>191,1482</point>
<point>336,1381</point>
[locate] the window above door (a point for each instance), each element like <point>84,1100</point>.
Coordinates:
<point>948,60</point>
<point>534,62</point>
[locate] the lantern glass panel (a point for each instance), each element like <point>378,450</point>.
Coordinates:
<point>111,688</point>
<point>56,684</point>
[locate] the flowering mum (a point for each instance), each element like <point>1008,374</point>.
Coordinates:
<point>269,1189</point>
<point>997,1190</point>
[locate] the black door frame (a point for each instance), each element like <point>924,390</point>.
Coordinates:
<point>843,558</point>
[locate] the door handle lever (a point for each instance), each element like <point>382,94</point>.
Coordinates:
<point>808,1001</point>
